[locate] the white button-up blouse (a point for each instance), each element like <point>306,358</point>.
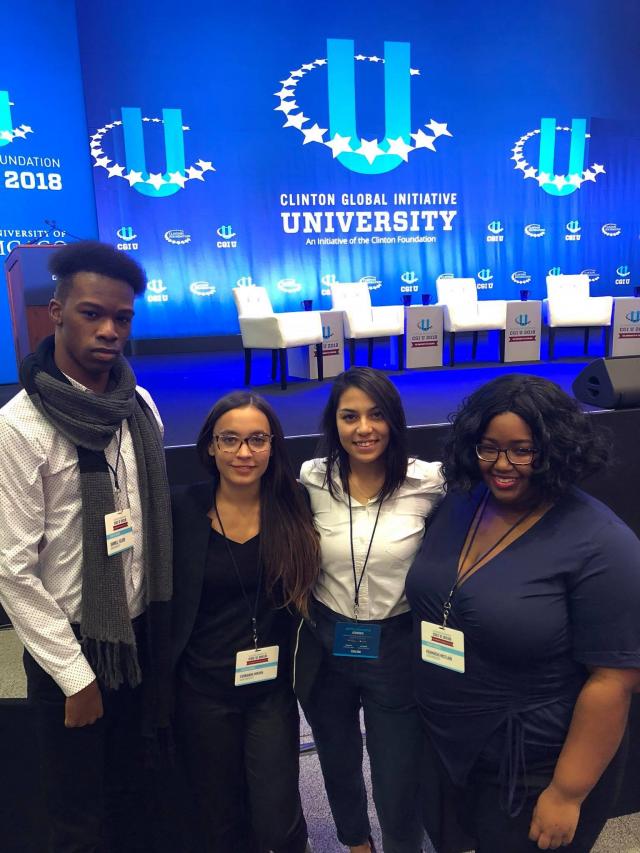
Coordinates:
<point>396,541</point>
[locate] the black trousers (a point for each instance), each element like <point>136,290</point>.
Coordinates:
<point>479,813</point>
<point>242,762</point>
<point>93,777</point>
<point>383,688</point>
<point>495,830</point>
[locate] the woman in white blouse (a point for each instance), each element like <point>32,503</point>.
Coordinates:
<point>369,503</point>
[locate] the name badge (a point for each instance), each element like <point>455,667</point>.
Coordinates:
<point>119,531</point>
<point>442,646</point>
<point>356,640</point>
<point>256,665</point>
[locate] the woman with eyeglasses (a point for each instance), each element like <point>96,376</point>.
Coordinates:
<point>525,595</point>
<point>369,502</point>
<point>245,554</point>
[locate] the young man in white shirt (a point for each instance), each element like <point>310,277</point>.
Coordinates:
<point>85,554</point>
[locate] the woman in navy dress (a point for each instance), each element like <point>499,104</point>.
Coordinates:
<point>526,595</point>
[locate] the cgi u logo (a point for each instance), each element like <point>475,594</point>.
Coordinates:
<point>226,231</point>
<point>553,185</point>
<point>342,102</point>
<point>329,279</point>
<point>409,277</point>
<point>135,157</point>
<point>245,281</point>
<point>633,316</point>
<point>126,233</point>
<point>555,271</point>
<point>573,226</point>
<point>156,285</point>
<point>134,170</point>
<point>523,320</point>
<point>623,271</point>
<point>485,274</point>
<point>424,325</point>
<point>495,227</point>
<point>327,333</point>
<point>6,124</point>
<point>7,132</point>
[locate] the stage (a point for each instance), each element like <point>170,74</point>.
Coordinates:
<point>185,387</point>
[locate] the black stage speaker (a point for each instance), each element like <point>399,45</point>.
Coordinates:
<point>610,383</point>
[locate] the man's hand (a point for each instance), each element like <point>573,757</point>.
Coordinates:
<point>554,820</point>
<point>84,707</point>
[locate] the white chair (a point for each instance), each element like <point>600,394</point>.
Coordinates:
<point>463,312</point>
<point>361,320</point>
<point>568,304</point>
<point>262,329</point>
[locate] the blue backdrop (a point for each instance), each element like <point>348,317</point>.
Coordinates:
<point>293,144</point>
<point>46,189</point>
<point>362,140</point>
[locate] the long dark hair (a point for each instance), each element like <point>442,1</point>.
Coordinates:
<point>569,446</point>
<point>386,397</point>
<point>289,542</point>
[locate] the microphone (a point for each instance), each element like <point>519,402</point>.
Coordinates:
<point>35,240</point>
<point>53,226</point>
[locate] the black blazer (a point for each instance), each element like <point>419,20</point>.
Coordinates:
<point>191,530</point>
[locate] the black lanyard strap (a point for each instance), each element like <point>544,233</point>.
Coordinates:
<point>114,471</point>
<point>253,611</point>
<point>459,578</point>
<point>357,582</point>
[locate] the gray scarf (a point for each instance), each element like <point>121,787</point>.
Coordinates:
<point>90,422</point>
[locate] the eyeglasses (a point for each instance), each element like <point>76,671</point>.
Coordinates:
<point>515,455</point>
<point>259,442</point>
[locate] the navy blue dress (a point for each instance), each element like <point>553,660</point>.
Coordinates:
<point>563,597</point>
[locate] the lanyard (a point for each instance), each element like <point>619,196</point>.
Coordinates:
<point>459,578</point>
<point>113,470</point>
<point>358,582</point>
<point>253,611</point>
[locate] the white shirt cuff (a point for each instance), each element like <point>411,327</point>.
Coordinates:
<point>75,677</point>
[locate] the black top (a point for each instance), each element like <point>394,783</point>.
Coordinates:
<point>223,622</point>
<point>563,597</point>
<point>211,619</point>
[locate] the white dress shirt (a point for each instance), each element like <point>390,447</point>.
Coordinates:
<point>41,536</point>
<point>397,538</point>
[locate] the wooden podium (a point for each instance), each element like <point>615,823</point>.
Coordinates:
<point>30,286</point>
